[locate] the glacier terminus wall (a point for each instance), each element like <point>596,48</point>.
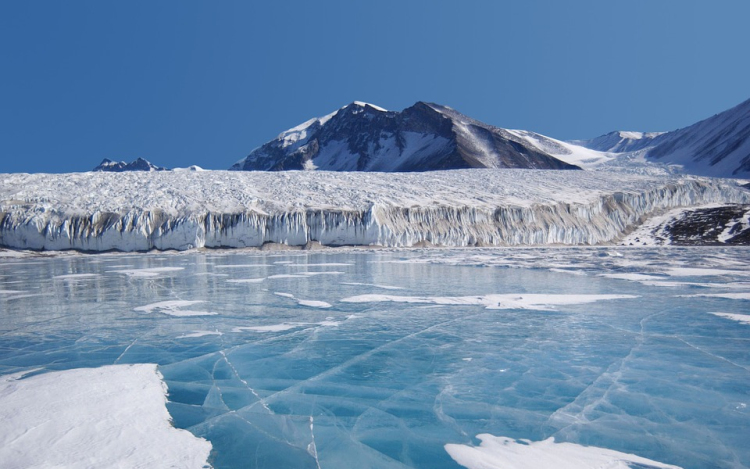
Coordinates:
<point>221,209</point>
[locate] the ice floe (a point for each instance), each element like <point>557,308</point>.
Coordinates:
<point>113,416</point>
<point>497,452</point>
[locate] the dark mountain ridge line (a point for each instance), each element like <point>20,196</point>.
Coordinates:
<point>422,137</point>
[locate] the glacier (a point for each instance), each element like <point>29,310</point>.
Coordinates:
<point>458,208</point>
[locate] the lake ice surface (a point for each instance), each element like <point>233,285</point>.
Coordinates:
<point>393,359</point>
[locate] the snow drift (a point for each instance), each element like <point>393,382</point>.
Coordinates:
<point>221,209</point>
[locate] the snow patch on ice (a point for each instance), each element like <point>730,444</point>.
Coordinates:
<point>729,296</point>
<point>286,326</point>
<point>74,276</point>
<point>172,308</point>
<point>196,334</point>
<point>634,277</point>
<point>567,271</point>
<point>496,452</point>
<point>113,416</point>
<point>325,264</point>
<point>384,287</point>
<point>247,280</point>
<point>151,272</point>
<point>270,328</point>
<point>701,272</point>
<point>303,275</point>
<point>313,303</point>
<point>503,301</point>
<point>743,318</point>
<point>284,295</point>
<point>301,302</point>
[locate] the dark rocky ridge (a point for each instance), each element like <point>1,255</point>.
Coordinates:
<point>702,227</point>
<point>423,137</point>
<point>710,226</point>
<point>139,164</point>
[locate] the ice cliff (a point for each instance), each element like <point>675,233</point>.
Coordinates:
<point>184,210</point>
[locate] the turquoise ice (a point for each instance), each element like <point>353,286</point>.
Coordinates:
<point>382,358</point>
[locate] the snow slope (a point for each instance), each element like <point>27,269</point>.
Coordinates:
<point>571,153</point>
<point>620,141</point>
<point>423,137</point>
<point>183,210</point>
<point>718,146</point>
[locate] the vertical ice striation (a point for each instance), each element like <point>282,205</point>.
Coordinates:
<point>451,208</point>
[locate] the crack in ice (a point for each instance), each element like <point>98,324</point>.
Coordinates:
<point>613,373</point>
<point>125,351</point>
<point>234,370</point>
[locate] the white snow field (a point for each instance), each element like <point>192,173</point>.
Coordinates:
<point>184,210</point>
<point>113,416</point>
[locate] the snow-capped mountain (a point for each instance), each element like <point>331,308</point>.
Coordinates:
<point>139,164</point>
<point>423,137</point>
<point>718,146</point>
<point>620,141</point>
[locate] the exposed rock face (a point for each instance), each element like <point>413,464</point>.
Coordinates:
<point>709,226</point>
<point>139,164</point>
<point>423,137</point>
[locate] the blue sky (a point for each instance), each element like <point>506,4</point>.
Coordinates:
<point>198,82</point>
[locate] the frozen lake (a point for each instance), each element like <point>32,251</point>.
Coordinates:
<point>380,359</point>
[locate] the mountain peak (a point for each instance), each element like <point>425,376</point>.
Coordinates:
<point>718,146</point>
<point>423,137</point>
<point>365,105</point>
<point>139,164</point>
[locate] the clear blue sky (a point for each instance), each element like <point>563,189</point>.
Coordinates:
<point>204,82</point>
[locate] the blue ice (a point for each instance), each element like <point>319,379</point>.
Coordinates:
<point>265,357</point>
